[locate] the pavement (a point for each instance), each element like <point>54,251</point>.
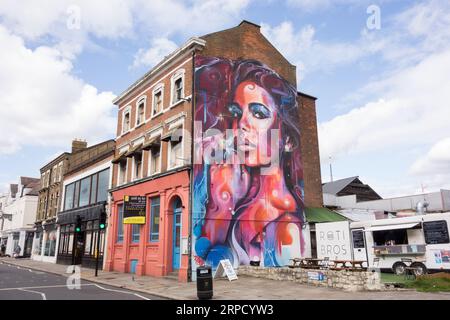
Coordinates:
<point>245,288</point>
<point>21,283</point>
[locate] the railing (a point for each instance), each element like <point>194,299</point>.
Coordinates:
<point>402,249</point>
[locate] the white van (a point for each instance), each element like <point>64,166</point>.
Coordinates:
<point>420,241</point>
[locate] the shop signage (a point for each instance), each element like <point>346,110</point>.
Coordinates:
<point>134,208</point>
<point>319,276</point>
<point>226,267</point>
<point>333,240</point>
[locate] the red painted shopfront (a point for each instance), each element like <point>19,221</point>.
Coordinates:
<point>151,249</point>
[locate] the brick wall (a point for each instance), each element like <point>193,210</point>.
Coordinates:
<point>146,90</point>
<point>246,42</point>
<point>310,151</point>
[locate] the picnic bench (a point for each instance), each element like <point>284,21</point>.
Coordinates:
<point>354,265</point>
<point>307,263</point>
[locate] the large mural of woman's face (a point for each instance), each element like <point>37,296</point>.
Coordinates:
<point>248,186</point>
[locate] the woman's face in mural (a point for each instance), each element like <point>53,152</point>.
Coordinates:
<point>255,110</point>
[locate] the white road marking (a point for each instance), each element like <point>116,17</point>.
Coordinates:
<point>136,294</point>
<point>42,294</point>
<point>41,287</point>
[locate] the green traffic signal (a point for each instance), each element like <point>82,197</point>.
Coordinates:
<point>77,229</point>
<point>102,226</point>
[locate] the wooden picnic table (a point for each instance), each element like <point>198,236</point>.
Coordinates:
<point>306,263</point>
<point>356,265</point>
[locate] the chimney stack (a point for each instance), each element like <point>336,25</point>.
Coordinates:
<point>78,145</point>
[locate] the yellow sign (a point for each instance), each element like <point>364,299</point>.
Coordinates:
<point>134,220</point>
<point>134,209</point>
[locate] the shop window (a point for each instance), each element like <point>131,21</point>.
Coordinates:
<point>93,198</point>
<point>120,223</point>
<point>135,232</point>
<point>68,196</point>
<point>154,216</point>
<point>103,185</point>
<point>85,191</point>
<point>77,194</point>
<point>50,244</point>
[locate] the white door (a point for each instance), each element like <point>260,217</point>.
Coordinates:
<point>359,245</point>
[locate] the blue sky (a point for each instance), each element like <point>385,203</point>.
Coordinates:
<point>382,106</point>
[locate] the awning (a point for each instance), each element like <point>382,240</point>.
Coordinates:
<point>120,158</point>
<point>168,135</point>
<point>318,215</point>
<point>86,214</point>
<point>153,142</point>
<point>393,227</point>
<point>134,150</point>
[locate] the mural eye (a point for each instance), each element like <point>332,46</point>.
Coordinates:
<point>259,111</point>
<point>235,110</point>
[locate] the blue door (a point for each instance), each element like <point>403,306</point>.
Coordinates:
<point>133,265</point>
<point>176,235</point>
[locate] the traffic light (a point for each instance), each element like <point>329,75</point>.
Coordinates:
<point>78,225</point>
<point>102,222</point>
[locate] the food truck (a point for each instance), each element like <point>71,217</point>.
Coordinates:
<point>420,241</point>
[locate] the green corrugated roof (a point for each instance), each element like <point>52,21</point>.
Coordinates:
<point>317,215</point>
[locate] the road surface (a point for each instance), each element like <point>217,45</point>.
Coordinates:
<point>19,283</point>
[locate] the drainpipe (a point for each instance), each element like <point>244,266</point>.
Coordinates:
<point>191,171</point>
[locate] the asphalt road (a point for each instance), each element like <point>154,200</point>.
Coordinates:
<point>18,283</point>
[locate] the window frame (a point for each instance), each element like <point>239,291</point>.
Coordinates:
<point>151,233</point>
<point>133,226</point>
<point>178,125</point>
<point>158,89</point>
<point>120,226</point>
<point>179,74</point>
<point>150,156</point>
<point>142,100</point>
<point>125,111</point>
<point>140,174</point>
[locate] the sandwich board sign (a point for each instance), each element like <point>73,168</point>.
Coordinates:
<point>225,268</point>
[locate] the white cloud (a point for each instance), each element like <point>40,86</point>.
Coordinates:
<point>159,48</point>
<point>304,50</point>
<point>313,5</point>
<point>412,109</point>
<point>101,18</point>
<point>42,103</point>
<point>436,160</point>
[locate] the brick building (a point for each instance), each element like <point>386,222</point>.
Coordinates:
<point>195,210</point>
<point>45,237</point>
<point>85,188</point>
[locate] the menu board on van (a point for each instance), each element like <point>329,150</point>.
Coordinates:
<point>436,232</point>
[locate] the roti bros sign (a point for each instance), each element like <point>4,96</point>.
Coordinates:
<point>134,208</point>
<point>333,240</point>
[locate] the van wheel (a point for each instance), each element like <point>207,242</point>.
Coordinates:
<point>420,268</point>
<point>399,268</point>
